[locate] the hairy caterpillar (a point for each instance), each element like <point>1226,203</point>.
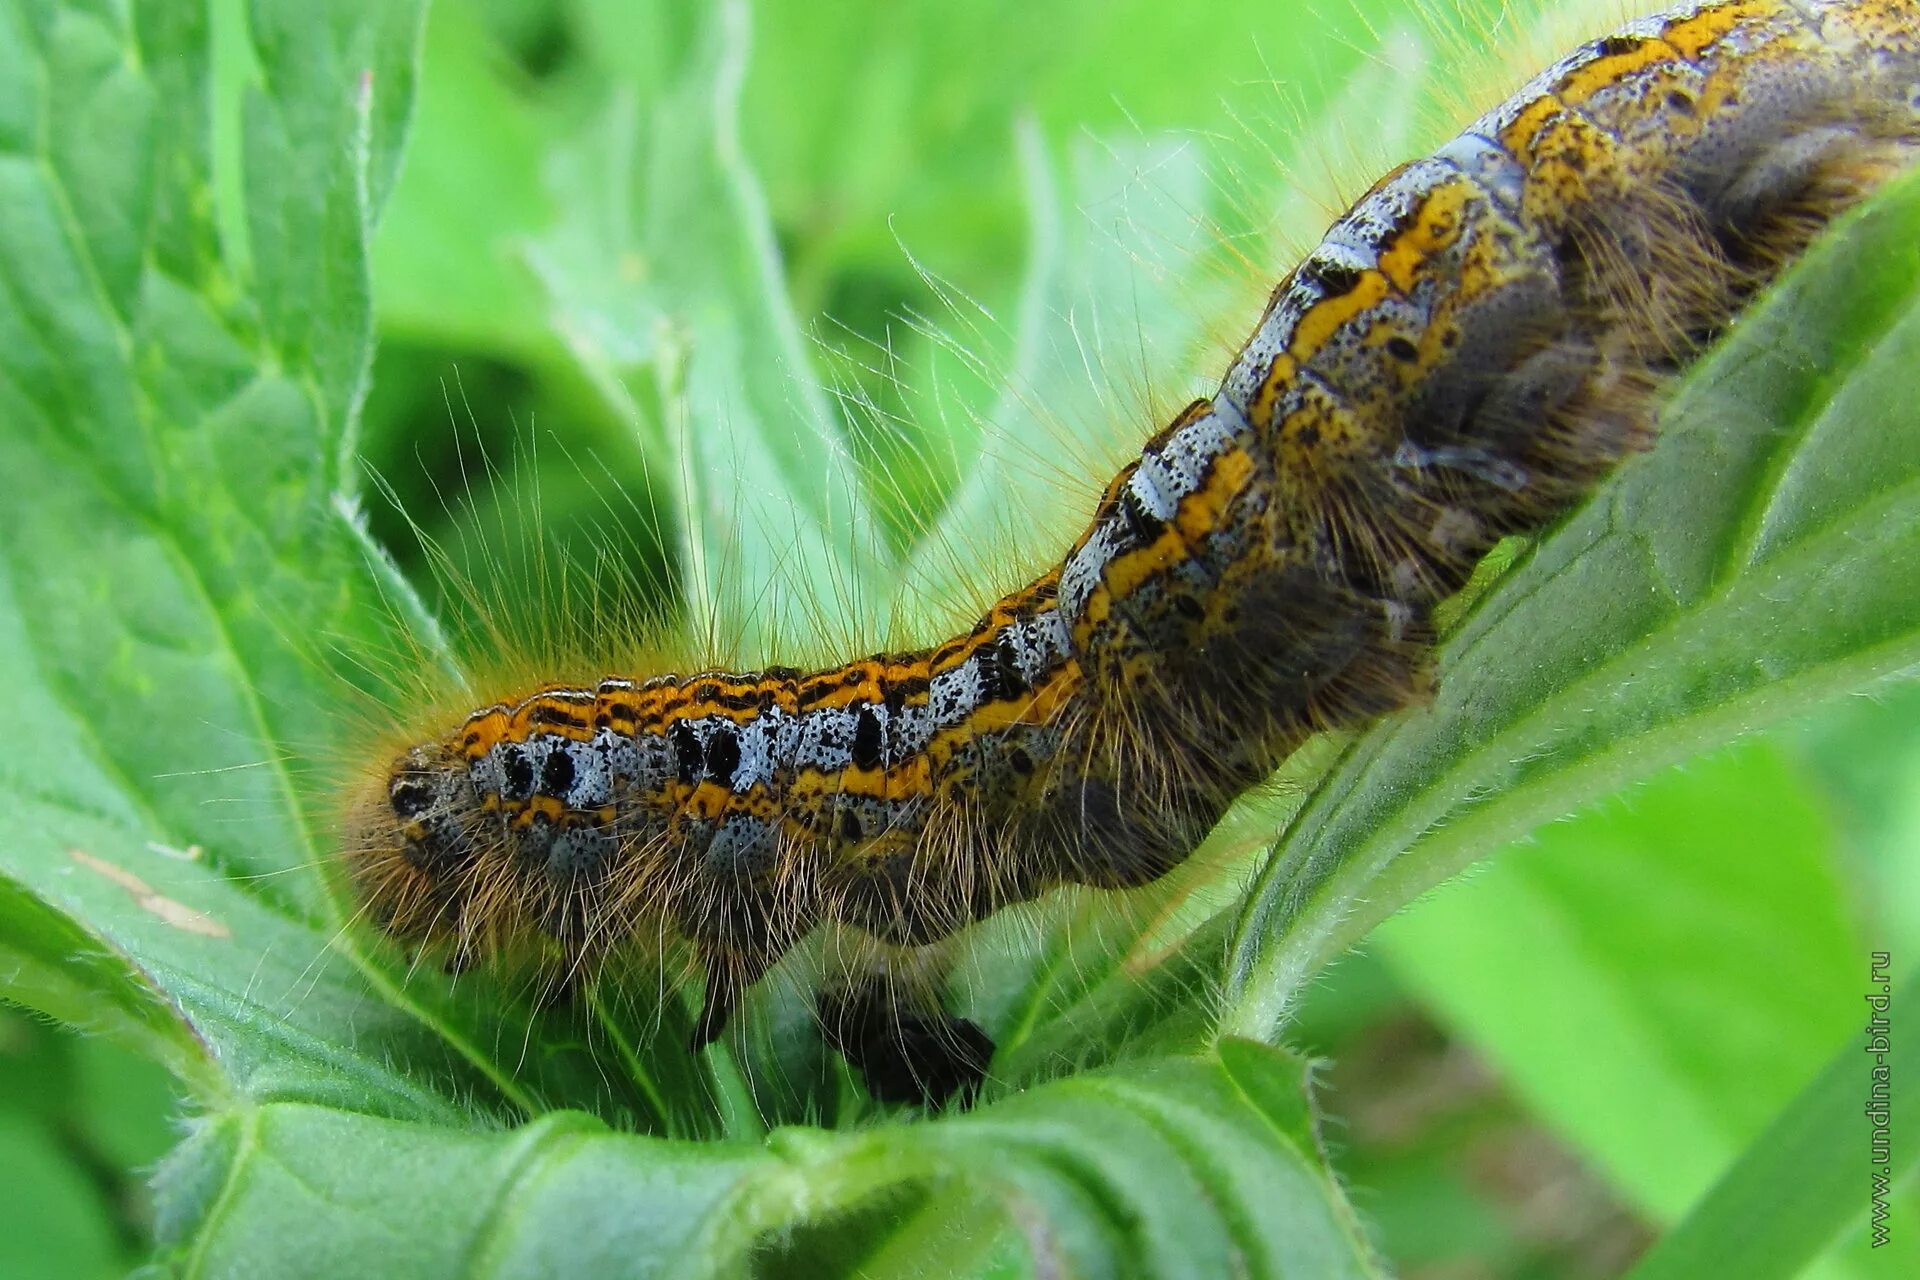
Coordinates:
<point>1473,345</point>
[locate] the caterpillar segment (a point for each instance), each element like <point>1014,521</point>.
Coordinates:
<point>1468,350</point>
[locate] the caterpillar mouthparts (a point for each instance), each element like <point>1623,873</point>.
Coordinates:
<point>1469,349</point>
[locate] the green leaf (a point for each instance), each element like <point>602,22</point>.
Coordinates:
<point>448,267</point>
<point>846,103</point>
<point>54,965</point>
<point>664,279</point>
<point>1811,1172</point>
<point>82,1122</point>
<point>52,1221</point>
<point>1114,326</point>
<point>174,446</point>
<point>172,467</point>
<point>1623,971</point>
<point>1189,1169</point>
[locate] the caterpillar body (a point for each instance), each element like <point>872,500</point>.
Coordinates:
<point>1470,347</point>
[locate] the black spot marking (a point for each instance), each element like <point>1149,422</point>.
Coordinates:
<point>1335,278</point>
<point>547,714</point>
<point>516,773</point>
<point>1141,523</point>
<point>747,700</point>
<point>1020,760</point>
<point>410,795</point>
<point>1680,102</point>
<point>556,775</point>
<point>850,825</point>
<point>723,755</point>
<point>1000,674</point>
<point>815,689</point>
<point>689,760</point>
<point>1402,349</point>
<point>1618,46</point>
<point>868,740</point>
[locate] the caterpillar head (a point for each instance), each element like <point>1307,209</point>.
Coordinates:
<point>409,846</point>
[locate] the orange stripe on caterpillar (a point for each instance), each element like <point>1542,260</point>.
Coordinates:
<point>1465,353</point>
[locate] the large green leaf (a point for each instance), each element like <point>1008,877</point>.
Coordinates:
<point>176,425</point>
<point>1195,1169</point>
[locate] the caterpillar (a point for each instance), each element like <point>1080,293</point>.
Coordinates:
<point>1478,341</point>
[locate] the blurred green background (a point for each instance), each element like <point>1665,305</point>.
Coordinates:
<point>1531,1071</point>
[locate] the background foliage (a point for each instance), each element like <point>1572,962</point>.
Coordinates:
<point>1034,228</point>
